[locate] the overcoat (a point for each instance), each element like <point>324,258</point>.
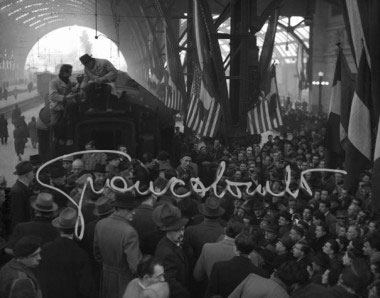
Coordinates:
<point>176,267</point>
<point>17,280</point>
<point>65,270</point>
<point>20,203</point>
<point>116,245</point>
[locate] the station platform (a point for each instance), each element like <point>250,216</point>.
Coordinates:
<point>22,96</point>
<point>8,158</point>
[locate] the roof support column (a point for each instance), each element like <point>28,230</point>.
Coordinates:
<point>244,60</point>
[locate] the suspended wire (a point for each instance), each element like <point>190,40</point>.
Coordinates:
<point>96,19</point>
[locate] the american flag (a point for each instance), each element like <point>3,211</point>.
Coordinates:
<point>203,115</point>
<point>266,115</point>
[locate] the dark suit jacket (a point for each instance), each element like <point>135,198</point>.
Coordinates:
<point>149,235</point>
<point>227,275</point>
<point>176,267</point>
<point>65,270</point>
<point>40,227</point>
<point>20,203</point>
<point>208,231</point>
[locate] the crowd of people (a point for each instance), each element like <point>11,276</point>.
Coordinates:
<point>166,244</point>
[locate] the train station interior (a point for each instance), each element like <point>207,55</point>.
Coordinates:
<point>189,148</point>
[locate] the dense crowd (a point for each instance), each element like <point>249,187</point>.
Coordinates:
<point>139,244</point>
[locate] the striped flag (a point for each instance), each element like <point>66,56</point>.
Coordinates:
<point>363,114</point>
<point>374,49</point>
<point>209,87</point>
<point>175,88</point>
<point>203,120</point>
<point>173,80</point>
<point>337,125</point>
<point>359,146</point>
<point>266,115</point>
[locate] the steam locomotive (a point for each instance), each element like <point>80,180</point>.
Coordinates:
<point>138,120</point>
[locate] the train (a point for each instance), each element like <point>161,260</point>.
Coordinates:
<point>138,120</point>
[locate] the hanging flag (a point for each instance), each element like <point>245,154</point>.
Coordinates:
<point>359,145</point>
<point>361,20</point>
<point>337,123</point>
<point>266,115</point>
<point>374,49</point>
<point>203,120</point>
<point>301,69</point>
<point>175,90</point>
<point>209,88</point>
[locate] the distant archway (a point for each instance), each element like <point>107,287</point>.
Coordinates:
<point>67,44</point>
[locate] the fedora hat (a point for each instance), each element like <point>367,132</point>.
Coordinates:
<point>168,217</point>
<point>211,207</point>
<point>85,59</point>
<point>66,219</point>
<point>44,202</point>
<point>125,200</point>
<point>23,168</point>
<point>103,206</point>
<point>35,160</point>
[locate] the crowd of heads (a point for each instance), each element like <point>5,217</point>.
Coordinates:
<point>330,237</point>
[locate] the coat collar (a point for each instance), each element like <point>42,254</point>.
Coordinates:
<point>14,264</point>
<point>119,218</point>
<point>228,241</point>
<point>175,248</point>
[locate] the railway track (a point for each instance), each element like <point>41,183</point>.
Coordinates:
<point>24,105</point>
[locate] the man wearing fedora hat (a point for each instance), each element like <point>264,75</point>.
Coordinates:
<point>100,175</point>
<point>116,246</point>
<point>209,230</point>
<point>40,226</point>
<point>169,219</point>
<point>20,193</point>
<point>65,269</point>
<point>98,74</point>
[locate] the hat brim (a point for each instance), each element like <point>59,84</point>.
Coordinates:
<point>55,223</point>
<point>103,213</point>
<point>126,205</point>
<point>22,173</point>
<point>202,209</point>
<point>175,226</point>
<point>35,207</point>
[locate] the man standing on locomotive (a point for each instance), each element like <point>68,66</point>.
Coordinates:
<point>62,105</point>
<point>99,81</point>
